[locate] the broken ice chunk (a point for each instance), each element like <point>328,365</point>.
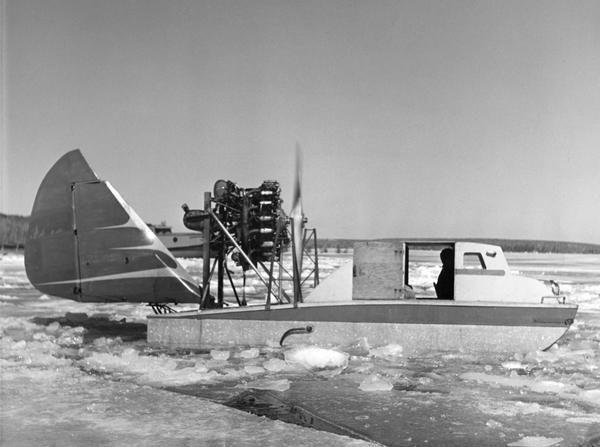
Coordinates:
<point>274,365</point>
<point>313,357</point>
<point>273,385</point>
<point>251,353</point>
<point>391,350</point>
<point>252,370</point>
<point>535,441</point>
<point>493,424</point>
<point>375,383</point>
<point>512,365</point>
<point>219,355</point>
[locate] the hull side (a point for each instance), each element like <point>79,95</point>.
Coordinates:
<point>417,327</point>
<point>414,338</point>
<point>183,245</point>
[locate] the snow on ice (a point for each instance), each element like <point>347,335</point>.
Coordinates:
<point>66,382</point>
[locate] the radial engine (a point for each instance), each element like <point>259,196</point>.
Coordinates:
<point>253,217</point>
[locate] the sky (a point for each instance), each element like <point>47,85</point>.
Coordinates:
<point>415,118</point>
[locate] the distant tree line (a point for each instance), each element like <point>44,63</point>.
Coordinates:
<point>509,245</point>
<point>13,230</point>
<point>537,246</point>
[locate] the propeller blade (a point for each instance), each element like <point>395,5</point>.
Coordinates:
<point>297,216</point>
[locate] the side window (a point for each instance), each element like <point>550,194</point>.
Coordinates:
<point>473,261</point>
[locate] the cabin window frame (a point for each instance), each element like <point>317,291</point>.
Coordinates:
<point>436,246</point>
<point>471,266</point>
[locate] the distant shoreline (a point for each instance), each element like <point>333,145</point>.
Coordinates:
<point>13,230</point>
<point>508,245</point>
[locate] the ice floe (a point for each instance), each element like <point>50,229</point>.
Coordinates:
<point>266,384</point>
<point>375,383</point>
<point>390,351</point>
<point>219,355</point>
<point>314,357</point>
<point>254,370</point>
<point>251,353</point>
<point>535,441</point>
<point>274,365</point>
<point>537,385</point>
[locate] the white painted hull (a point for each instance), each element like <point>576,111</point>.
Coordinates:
<point>257,327</point>
<point>414,338</point>
<point>183,245</point>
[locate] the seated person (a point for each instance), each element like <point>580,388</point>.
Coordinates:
<point>444,288</point>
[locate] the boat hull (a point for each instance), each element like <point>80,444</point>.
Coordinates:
<point>183,245</point>
<point>416,326</point>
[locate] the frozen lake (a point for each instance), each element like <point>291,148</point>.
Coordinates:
<point>82,374</point>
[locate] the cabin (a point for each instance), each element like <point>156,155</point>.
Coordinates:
<point>388,271</point>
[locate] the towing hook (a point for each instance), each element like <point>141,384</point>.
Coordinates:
<point>295,330</point>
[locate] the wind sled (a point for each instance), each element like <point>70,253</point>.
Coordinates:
<point>86,243</point>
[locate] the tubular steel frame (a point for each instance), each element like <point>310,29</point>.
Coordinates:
<point>273,284</point>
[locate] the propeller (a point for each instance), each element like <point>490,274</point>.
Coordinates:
<point>297,218</point>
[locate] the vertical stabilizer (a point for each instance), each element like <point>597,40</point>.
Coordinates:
<point>86,243</point>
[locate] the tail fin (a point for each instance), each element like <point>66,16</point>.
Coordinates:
<point>87,244</point>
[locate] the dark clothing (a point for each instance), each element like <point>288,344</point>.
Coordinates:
<point>445,284</point>
<point>444,288</point>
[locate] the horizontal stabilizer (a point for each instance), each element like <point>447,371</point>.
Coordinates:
<point>87,244</point>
